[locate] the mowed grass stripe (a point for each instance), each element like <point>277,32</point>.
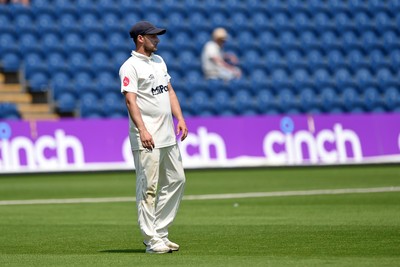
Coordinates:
<point>209,196</point>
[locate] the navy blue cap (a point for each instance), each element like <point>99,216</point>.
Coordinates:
<point>145,27</point>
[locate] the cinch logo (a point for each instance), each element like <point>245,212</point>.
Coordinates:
<point>326,146</point>
<point>159,90</point>
<point>47,151</point>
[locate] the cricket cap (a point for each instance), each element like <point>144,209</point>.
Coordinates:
<point>145,27</point>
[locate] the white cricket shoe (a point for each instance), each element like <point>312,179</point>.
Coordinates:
<point>173,246</point>
<point>157,247</point>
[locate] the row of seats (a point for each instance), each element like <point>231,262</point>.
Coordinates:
<point>72,49</point>
<point>9,111</point>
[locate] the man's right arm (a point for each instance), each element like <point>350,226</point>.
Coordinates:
<point>134,112</point>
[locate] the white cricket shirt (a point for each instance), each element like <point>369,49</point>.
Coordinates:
<point>148,78</point>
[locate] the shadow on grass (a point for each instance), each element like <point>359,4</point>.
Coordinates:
<point>123,251</point>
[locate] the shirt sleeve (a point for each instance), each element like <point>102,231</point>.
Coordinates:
<point>128,77</point>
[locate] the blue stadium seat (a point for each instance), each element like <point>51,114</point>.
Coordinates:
<point>42,7</point>
<point>6,24</point>
<point>265,102</point>
<point>90,106</point>
<point>391,98</point>
<point>221,101</point>
<point>296,6</point>
<point>66,102</point>
<point>364,78</point>
<point>24,23</point>
<point>108,6</point>
<point>177,22</point>
<point>259,79</point>
<point>29,42</point>
<point>61,82</point>
<point>56,62</point>
<point>78,62</point>
<point>328,99</point>
<point>378,60</point>
<point>113,104</point>
<point>269,40</point>
<point>302,22</point>
<point>322,78</point>
<point>282,22</point>
<point>262,21</point>
<point>199,102</point>
<point>101,61</point>
<point>46,23</point>
<point>51,42</point>
<point>363,21</point>
<point>351,41</point>
<point>74,42</point>
<point>90,23</point>
<point>316,6</point>
<point>286,100</point>
<point>385,78</point>
<point>111,21</point>
<point>274,60</point>
<point>11,62</point>
<point>336,60</point>
<point>275,6</point>
<point>242,101</point>
<point>107,81</point>
<point>9,111</point>
<point>64,6</point>
<point>95,41</point>
<point>394,7</point>
<point>343,78</point>
<point>189,60</point>
<point>219,19</point>
<point>294,60</point>
<point>38,81</point>
<point>301,79</point>
<point>315,59</point>
<point>343,22</point>
<point>307,100</point>
<point>391,41</point>
<point>357,60</point>
<point>371,98</point>
<point>330,41</point>
<point>349,99</point>
<point>288,40</point>
<point>280,79</point>
<point>322,23</point>
<point>395,59</point>
<point>383,20</point>
<point>309,41</point>
<point>117,41</point>
<point>370,40</point>
<point>68,22</point>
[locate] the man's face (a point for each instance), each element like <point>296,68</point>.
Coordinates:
<point>150,42</point>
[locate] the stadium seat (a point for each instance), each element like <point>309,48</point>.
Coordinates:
<point>383,20</point>
<point>391,98</point>
<point>199,102</point>
<point>113,104</point>
<point>221,101</point>
<point>385,78</point>
<point>9,111</point>
<point>286,100</point>
<point>259,79</point>
<point>61,82</point>
<point>282,22</point>
<point>350,41</point>
<point>322,78</point>
<point>357,60</point>
<point>349,99</point>
<point>24,23</point>
<point>328,99</point>
<point>378,60</point>
<point>68,22</point>
<point>302,22</point>
<point>73,41</point>
<point>90,23</point>
<point>301,79</point>
<point>280,79</point>
<point>111,21</point>
<point>316,60</point>
<point>364,78</point>
<point>269,40</point>
<point>371,98</point>
<point>265,102</point>
<point>262,21</point>
<point>363,21</point>
<point>274,60</point>
<point>11,62</point>
<point>288,40</point>
<point>322,23</point>
<point>391,41</point>
<point>56,62</point>
<point>78,62</point>
<point>309,41</point>
<point>95,41</point>
<point>90,106</point>
<point>46,23</point>
<point>343,22</point>
<point>343,78</point>
<point>336,60</point>
<point>330,41</point>
<point>395,59</point>
<point>66,102</point>
<point>370,40</point>
<point>101,61</point>
<point>295,60</point>
<point>307,100</point>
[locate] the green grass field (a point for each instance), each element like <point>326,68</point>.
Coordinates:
<point>355,229</point>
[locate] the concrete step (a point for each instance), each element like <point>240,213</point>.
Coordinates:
<point>17,98</point>
<point>39,116</point>
<point>33,108</point>
<point>10,88</point>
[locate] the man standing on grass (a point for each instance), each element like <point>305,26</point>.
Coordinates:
<point>151,103</point>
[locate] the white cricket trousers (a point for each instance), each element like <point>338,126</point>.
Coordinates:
<point>160,182</point>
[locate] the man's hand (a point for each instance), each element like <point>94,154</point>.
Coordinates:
<point>181,128</point>
<point>147,140</point>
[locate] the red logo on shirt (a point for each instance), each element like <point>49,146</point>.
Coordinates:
<point>126,81</point>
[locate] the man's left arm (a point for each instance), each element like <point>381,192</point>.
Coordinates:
<point>177,113</point>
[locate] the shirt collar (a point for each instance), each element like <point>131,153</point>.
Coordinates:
<point>141,56</point>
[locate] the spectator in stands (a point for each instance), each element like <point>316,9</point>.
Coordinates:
<point>216,63</point>
<point>23,2</point>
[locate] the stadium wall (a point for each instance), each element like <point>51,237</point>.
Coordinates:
<point>103,144</point>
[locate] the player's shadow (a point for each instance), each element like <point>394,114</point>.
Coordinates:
<point>123,251</point>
